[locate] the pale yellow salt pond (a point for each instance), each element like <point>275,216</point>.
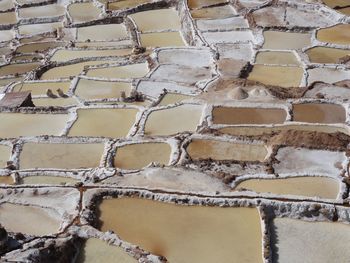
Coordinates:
<point>6,180</point>
<point>203,3</point>
<point>63,55</point>
<point>232,115</point>
<point>83,12</point>
<point>26,124</point>
<point>186,233</point>
<point>213,12</point>
<point>139,155</point>
<point>33,29</point>
<point>286,40</point>
<point>319,113</point>
<point>96,250</point>
<point>17,68</point>
<point>54,102</point>
<point>61,155</point>
<point>28,219</point>
<point>174,120</point>
<point>126,4</point>
<point>172,98</point>
<point>5,153</point>
<point>42,11</point>
<point>162,39</point>
<point>338,34</point>
<point>323,187</point>
<point>277,75</point>
<point>299,241</point>
<point>253,131</point>
<point>72,69</point>
<point>123,72</point>
<point>45,179</point>
<point>40,88</point>
<point>115,123</point>
<point>159,19</point>
<point>326,55</point>
<point>277,58</point>
<point>223,150</point>
<point>90,89</point>
<point>6,5</point>
<point>101,32</point>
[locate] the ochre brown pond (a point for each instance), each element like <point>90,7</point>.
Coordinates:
<point>223,150</point>
<point>230,115</point>
<point>339,34</point>
<point>319,113</point>
<point>186,233</point>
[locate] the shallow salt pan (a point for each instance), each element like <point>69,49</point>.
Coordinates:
<point>61,156</point>
<point>37,221</point>
<point>186,233</point>
<point>300,186</point>
<point>308,242</point>
<point>139,155</point>
<point>5,153</point>
<point>96,250</point>
<point>306,161</point>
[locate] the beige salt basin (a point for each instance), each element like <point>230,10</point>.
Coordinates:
<point>172,98</point>
<point>126,4</point>
<point>203,3</point>
<point>277,58</point>
<point>327,55</point>
<point>40,88</point>
<point>186,233</point>
<point>342,6</point>
<point>139,155</point>
<point>319,113</point>
<point>8,18</point>
<point>6,180</point>
<point>83,12</point>
<point>253,131</point>
<point>61,156</point>
<point>96,250</point>
<point>26,124</point>
<point>322,187</point>
<point>17,68</point>
<point>54,102</point>
<point>89,89</point>
<point>283,76</point>
<point>5,153</point>
<point>162,39</point>
<point>42,11</point>
<point>101,32</point>
<point>298,241</point>
<point>150,20</point>
<point>54,180</point>
<point>286,40</point>
<point>34,220</point>
<point>64,55</point>
<point>72,69</point>
<point>338,34</point>
<point>33,29</point>
<point>39,46</point>
<point>122,72</point>
<point>174,120</point>
<point>231,115</point>
<point>114,123</point>
<point>217,12</point>
<point>220,150</point>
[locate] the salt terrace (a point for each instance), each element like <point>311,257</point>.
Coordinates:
<point>174,131</point>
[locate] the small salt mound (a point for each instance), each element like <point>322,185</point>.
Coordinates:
<point>258,92</point>
<point>238,94</point>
